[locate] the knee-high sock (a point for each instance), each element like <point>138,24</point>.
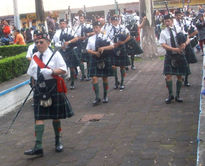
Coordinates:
<point>82,69</point>
<point>105,87</point>
<point>96,90</point>
<point>132,60</point>
<point>169,86</point>
<point>39,129</point>
<point>72,77</point>
<point>115,74</point>
<point>57,130</point>
<point>186,78</point>
<point>122,71</point>
<point>178,87</point>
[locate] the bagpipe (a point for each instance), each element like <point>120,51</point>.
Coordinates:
<point>101,61</point>
<point>121,49</point>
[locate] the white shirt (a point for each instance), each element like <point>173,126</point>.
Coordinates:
<point>78,29</point>
<point>119,29</point>
<point>165,37</point>
<point>92,40</point>
<point>56,37</point>
<point>179,28</point>
<point>30,51</point>
<point>57,62</point>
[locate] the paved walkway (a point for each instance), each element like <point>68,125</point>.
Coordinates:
<point>136,127</point>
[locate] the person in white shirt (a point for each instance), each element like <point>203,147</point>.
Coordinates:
<point>175,62</point>
<point>100,61</point>
<point>50,101</point>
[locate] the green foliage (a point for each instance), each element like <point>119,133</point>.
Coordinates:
<point>12,67</point>
<point>12,50</point>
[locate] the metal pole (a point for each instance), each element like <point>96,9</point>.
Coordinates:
<point>16,15</point>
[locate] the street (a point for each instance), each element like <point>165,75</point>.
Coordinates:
<point>136,127</point>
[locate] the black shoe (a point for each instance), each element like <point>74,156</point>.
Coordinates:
<point>133,68</point>
<point>122,87</point>
<point>88,79</point>
<point>59,147</point>
<point>34,151</point>
<point>82,78</point>
<point>127,68</point>
<point>169,99</point>
<point>178,99</point>
<point>96,102</point>
<point>116,85</point>
<point>72,87</point>
<point>187,84</point>
<point>105,100</point>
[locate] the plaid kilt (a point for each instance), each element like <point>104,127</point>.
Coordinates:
<point>133,47</point>
<point>183,68</point>
<point>82,52</point>
<point>60,108</point>
<point>190,54</point>
<point>94,62</point>
<point>120,57</point>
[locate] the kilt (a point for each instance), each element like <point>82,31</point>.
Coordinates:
<point>194,41</point>
<point>82,52</point>
<point>94,70</point>
<point>190,54</point>
<point>71,57</point>
<point>60,108</point>
<point>133,48</point>
<point>122,58</point>
<point>183,69</point>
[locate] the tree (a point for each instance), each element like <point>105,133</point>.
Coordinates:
<point>148,39</point>
<point>40,14</point>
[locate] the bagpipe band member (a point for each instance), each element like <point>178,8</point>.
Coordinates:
<point>100,61</point>
<point>132,46</point>
<point>50,101</point>
<point>181,26</point>
<point>119,35</point>
<point>175,62</point>
<point>83,31</point>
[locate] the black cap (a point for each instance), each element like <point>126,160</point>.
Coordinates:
<point>114,18</point>
<point>42,35</point>
<point>96,23</point>
<point>167,16</point>
<point>178,11</point>
<point>62,20</point>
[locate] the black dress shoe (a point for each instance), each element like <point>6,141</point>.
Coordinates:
<point>82,78</point>
<point>105,100</point>
<point>34,151</point>
<point>116,85</point>
<point>59,147</point>
<point>133,68</point>
<point>169,99</point>
<point>127,68</point>
<point>122,87</point>
<point>72,87</point>
<point>187,84</point>
<point>96,102</point>
<point>178,99</point>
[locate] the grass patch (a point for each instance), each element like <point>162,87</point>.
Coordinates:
<point>162,57</point>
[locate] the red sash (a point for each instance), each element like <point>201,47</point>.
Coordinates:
<point>61,87</point>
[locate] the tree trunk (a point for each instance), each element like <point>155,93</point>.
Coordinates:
<point>148,39</point>
<point>40,14</point>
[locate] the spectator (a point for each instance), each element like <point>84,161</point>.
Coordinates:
<point>6,38</point>
<point>200,24</point>
<point>19,39</point>
<point>28,36</point>
<point>201,10</point>
<point>51,25</point>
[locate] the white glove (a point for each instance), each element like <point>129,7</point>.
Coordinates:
<point>46,72</point>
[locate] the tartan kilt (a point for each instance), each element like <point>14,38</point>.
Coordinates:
<point>190,54</point>
<point>60,108</point>
<point>183,69</point>
<point>82,52</point>
<point>133,48</point>
<point>122,58</point>
<point>105,58</point>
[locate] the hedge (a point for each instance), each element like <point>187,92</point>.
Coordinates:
<point>12,67</point>
<point>12,50</point>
